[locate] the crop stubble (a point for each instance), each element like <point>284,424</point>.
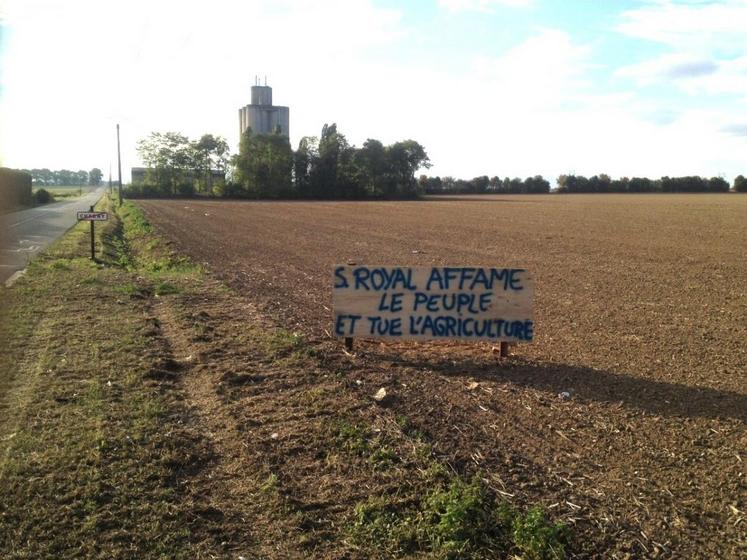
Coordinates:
<point>640,311</point>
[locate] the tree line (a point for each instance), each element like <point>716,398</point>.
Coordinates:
<point>179,166</point>
<point>579,184</point>
<point>64,177</point>
<point>329,167</point>
<point>484,185</point>
<point>324,167</point>
<point>604,184</point>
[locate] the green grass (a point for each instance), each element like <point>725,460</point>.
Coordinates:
<point>90,446</point>
<point>164,289</point>
<point>354,438</point>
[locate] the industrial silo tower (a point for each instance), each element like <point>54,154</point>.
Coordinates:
<point>261,115</point>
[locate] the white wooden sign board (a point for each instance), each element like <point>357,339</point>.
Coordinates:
<point>433,303</point>
<point>93,216</point>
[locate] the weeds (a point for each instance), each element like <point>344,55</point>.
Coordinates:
<point>354,438</point>
<point>534,535</point>
<point>384,457</point>
<point>270,485</point>
<point>459,520</point>
<point>164,288</point>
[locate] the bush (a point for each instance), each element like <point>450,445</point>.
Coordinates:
<point>43,196</point>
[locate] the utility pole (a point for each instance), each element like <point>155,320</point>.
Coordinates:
<point>119,167</point>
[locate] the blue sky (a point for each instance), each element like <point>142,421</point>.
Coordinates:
<point>496,87</point>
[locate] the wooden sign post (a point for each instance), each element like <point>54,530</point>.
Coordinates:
<point>433,303</point>
<point>93,217</point>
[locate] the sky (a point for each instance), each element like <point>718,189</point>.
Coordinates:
<point>489,87</point>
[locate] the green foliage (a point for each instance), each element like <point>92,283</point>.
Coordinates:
<point>354,438</point>
<point>178,166</point>
<point>303,162</point>
<point>458,520</point>
<point>137,223</point>
<point>96,445</point>
<point>281,343</point>
<point>379,524</point>
<point>264,165</point>
<point>164,288</point>
<point>384,457</point>
<point>60,264</point>
<point>327,167</point>
<point>211,153</point>
<point>42,196</point>
<point>410,430</point>
<point>270,485</point>
<point>60,178</point>
<point>740,183</point>
<point>533,535</point>
<point>483,185</point>
<point>94,177</point>
<point>603,183</point>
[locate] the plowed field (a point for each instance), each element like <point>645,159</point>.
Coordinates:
<point>641,318</point>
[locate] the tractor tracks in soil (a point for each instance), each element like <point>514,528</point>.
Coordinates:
<point>263,486</point>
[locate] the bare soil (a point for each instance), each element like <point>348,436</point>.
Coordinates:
<point>641,314</point>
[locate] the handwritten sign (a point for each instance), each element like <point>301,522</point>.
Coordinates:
<point>427,303</point>
<point>93,216</point>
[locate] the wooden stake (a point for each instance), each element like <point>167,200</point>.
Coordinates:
<point>93,245</point>
<point>504,350</point>
<point>349,344</point>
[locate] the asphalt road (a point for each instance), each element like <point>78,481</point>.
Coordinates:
<point>27,232</point>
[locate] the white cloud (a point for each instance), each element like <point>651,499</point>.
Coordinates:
<point>691,74</point>
<point>547,69</point>
<point>690,26</point>
<point>485,6</point>
<point>707,50</point>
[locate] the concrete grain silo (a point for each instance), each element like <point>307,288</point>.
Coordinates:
<point>261,115</point>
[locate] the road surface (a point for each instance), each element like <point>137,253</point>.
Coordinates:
<point>29,231</point>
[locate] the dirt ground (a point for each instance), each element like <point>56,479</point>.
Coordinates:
<point>640,313</point>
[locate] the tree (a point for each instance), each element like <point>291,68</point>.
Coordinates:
<point>264,165</point>
<point>170,157</point>
<point>210,152</point>
<point>304,160</point>
<point>94,177</point>
<point>373,158</point>
<point>718,184</point>
<point>535,185</point>
<point>405,158</point>
<point>324,176</point>
<point>740,183</point>
<point>479,185</point>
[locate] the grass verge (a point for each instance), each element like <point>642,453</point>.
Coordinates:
<point>90,447</point>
